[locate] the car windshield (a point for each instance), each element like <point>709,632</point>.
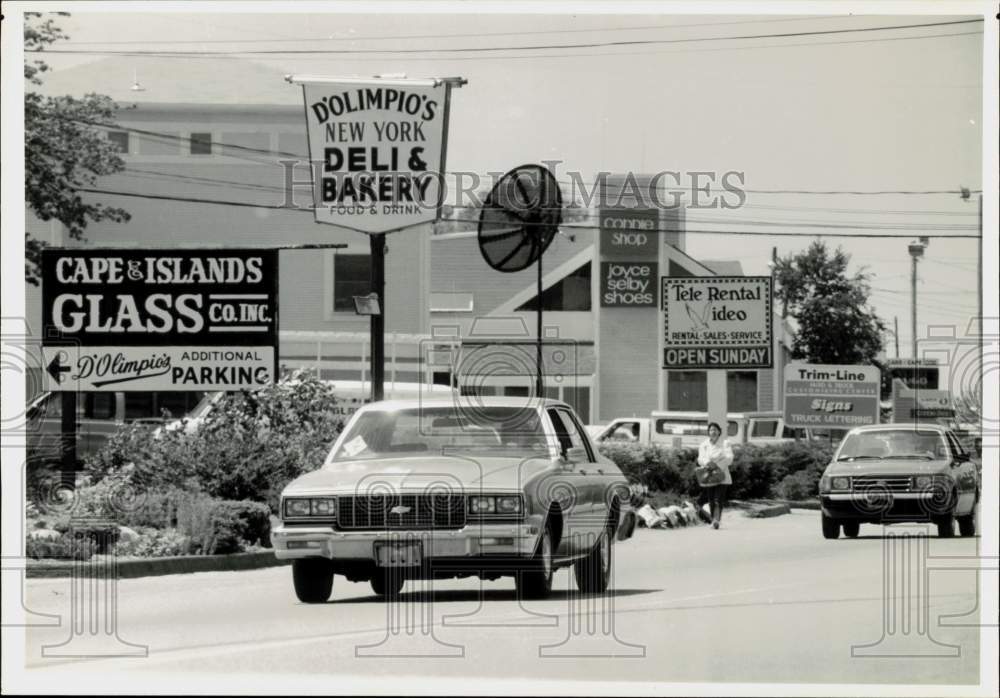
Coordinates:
<point>514,431</point>
<point>893,443</point>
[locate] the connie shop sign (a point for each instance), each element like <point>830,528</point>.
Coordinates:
<point>629,233</point>
<point>173,320</point>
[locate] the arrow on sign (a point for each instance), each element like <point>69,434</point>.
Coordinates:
<point>56,369</point>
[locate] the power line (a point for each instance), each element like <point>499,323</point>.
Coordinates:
<point>245,204</point>
<point>462,35</point>
<point>482,49</point>
<point>607,188</point>
<point>575,226</point>
<point>193,200</point>
<point>191,179</point>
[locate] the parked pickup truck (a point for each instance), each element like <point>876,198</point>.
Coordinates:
<point>688,429</point>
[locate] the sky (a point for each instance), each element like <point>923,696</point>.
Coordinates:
<point>887,110</point>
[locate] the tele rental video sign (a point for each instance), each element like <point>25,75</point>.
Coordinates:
<point>827,395</point>
<point>138,320</point>
<point>716,322</point>
<point>377,150</point>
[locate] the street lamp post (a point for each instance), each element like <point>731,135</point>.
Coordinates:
<point>916,249</point>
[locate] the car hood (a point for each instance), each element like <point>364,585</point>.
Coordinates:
<point>888,466</point>
<point>420,474</point>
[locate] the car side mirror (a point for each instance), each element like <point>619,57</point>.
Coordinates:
<point>961,458</point>
<point>575,454</point>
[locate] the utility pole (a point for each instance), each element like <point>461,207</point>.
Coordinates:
<point>895,333</point>
<point>377,328</point>
<point>916,250</point>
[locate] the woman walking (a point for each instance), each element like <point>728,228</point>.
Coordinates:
<point>714,458</point>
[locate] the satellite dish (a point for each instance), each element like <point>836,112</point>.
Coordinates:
<point>519,218</point>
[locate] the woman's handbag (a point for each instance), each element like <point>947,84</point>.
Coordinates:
<point>709,475</point>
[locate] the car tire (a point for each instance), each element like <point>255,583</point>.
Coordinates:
<point>831,528</point>
<point>945,526</point>
<point>535,581</point>
<point>387,583</point>
<point>852,528</point>
<point>313,579</point>
<point>967,524</point>
<point>593,573</point>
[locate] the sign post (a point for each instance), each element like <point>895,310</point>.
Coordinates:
<point>374,144</point>
<point>716,323</point>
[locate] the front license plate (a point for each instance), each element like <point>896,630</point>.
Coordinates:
<point>398,554</point>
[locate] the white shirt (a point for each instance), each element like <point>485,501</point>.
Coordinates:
<point>720,452</point>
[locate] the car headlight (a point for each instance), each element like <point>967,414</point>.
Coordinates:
<point>482,505</point>
<point>840,483</point>
<point>500,505</point>
<point>301,507</point>
<point>922,482</point>
<point>509,505</point>
<point>323,507</point>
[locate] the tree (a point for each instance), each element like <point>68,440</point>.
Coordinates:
<point>65,150</point>
<point>835,323</point>
<point>969,405</point>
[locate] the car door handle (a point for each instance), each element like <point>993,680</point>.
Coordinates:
<point>600,472</point>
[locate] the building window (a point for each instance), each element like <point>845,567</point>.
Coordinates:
<point>687,391</point>
<point>741,391</point>
<point>120,140</point>
<point>579,399</point>
<point>201,143</point>
<point>442,302</point>
<point>99,405</point>
<point>351,277</point>
<point>571,293</point>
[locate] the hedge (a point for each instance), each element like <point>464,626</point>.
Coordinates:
<point>790,470</point>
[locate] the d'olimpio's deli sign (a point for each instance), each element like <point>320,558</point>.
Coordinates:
<point>377,151</point>
<point>164,320</point>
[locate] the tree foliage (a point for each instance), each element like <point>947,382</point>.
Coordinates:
<point>64,149</point>
<point>835,323</point>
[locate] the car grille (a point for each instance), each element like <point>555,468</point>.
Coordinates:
<point>415,512</point>
<point>864,483</point>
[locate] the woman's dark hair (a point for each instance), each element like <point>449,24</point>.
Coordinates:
<point>716,425</point>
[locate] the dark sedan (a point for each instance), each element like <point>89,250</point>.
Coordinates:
<point>899,473</point>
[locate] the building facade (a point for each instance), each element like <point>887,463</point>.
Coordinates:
<point>204,174</point>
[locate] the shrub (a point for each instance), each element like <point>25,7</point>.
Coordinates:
<point>757,471</point>
<point>800,485</point>
<point>216,527</point>
<point>247,448</point>
<point>67,547</point>
<point>155,543</point>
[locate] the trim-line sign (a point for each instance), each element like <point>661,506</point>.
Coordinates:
<point>827,395</point>
<point>138,320</point>
<point>716,322</point>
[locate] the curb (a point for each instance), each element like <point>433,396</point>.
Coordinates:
<point>155,567</point>
<point>767,511</point>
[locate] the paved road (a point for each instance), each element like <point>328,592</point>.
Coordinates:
<point>762,600</point>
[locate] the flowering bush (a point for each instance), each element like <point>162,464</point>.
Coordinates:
<point>152,542</point>
<point>248,447</point>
